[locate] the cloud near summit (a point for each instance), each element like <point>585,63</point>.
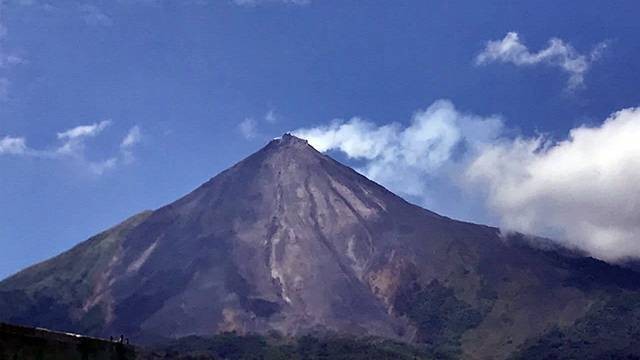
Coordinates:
<point>403,157</point>
<point>582,189</point>
<point>575,190</point>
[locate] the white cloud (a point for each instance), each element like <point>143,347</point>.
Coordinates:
<point>74,138</point>
<point>270,116</point>
<point>13,145</point>
<point>100,167</point>
<point>580,191</point>
<point>72,147</point>
<point>248,128</point>
<point>263,2</point>
<point>84,130</point>
<point>7,59</point>
<point>557,53</point>
<point>93,15</point>
<point>405,159</point>
<point>133,137</point>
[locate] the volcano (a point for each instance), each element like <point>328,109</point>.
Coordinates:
<point>290,241</point>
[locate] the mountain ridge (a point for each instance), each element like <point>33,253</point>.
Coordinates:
<point>289,240</point>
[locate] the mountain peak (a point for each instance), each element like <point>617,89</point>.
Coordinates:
<point>292,241</point>
<point>288,149</point>
<point>292,139</point>
<point>290,142</point>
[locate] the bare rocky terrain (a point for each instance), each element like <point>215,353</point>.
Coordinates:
<point>290,241</point>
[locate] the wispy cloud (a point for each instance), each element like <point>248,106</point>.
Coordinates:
<point>248,128</point>
<point>93,15</point>
<point>83,131</point>
<point>133,137</point>
<point>74,139</point>
<point>72,147</point>
<point>100,167</point>
<point>558,53</point>
<point>7,58</point>
<point>271,116</point>
<point>575,190</point>
<point>265,2</point>
<point>13,145</point>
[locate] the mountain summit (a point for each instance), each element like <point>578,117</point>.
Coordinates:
<point>289,240</point>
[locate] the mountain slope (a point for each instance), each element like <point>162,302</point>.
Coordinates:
<point>289,240</point>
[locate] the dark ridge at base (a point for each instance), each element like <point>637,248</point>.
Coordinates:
<point>26,343</point>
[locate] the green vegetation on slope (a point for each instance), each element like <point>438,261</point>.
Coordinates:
<point>440,317</point>
<point>233,347</point>
<point>47,293</point>
<point>610,330</point>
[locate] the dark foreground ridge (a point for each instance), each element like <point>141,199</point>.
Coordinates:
<point>289,241</point>
<point>27,343</point>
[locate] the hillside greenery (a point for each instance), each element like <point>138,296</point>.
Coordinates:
<point>439,316</point>
<point>610,330</point>
<point>233,347</point>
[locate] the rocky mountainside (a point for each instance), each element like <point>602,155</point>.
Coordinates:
<point>291,241</point>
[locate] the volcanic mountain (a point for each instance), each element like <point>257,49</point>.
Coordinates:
<point>291,241</point>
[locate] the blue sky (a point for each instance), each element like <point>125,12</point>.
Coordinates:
<point>206,83</point>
